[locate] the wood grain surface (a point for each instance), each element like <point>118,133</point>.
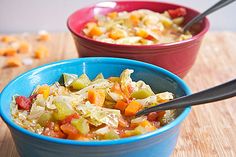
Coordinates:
<point>209,131</point>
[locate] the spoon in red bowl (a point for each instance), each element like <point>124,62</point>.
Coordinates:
<point>220,92</point>
<point>215,7</point>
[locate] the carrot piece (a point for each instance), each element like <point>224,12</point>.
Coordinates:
<point>95,31</point>
<point>13,62</point>
<point>145,123</point>
<point>97,96</point>
<point>10,51</point>
<point>77,137</point>
<point>142,33</point>
<point>134,19</point>
<point>43,36</point>
<point>23,47</point>
<point>45,90</point>
<point>2,51</point>
<point>132,108</point>
<point>116,34</point>
<point>112,15</point>
<point>8,39</point>
<point>41,52</point>
<point>121,105</point>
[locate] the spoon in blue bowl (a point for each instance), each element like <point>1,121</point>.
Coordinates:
<point>217,93</point>
<point>215,7</point>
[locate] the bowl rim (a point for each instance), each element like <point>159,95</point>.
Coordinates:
<point>163,45</point>
<point>7,119</point>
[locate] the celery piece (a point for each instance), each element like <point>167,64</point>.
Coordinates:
<point>69,78</point>
<point>82,82</point>
<point>109,104</point>
<point>62,111</point>
<point>178,20</point>
<point>45,118</point>
<point>111,135</point>
<point>137,131</point>
<point>81,125</point>
<point>141,94</point>
<point>99,76</point>
<point>114,79</point>
<point>140,130</point>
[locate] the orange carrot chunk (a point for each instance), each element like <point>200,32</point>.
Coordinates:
<point>97,96</point>
<point>121,105</point>
<point>95,31</point>
<point>134,19</point>
<point>2,51</point>
<point>142,33</point>
<point>23,47</point>
<point>8,39</point>
<point>44,90</point>
<point>132,108</point>
<point>116,34</point>
<point>13,62</point>
<point>41,52</point>
<point>43,36</point>
<point>112,15</point>
<point>10,51</point>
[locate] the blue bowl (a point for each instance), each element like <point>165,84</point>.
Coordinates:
<point>157,143</point>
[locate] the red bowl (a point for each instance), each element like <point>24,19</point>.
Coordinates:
<point>177,57</point>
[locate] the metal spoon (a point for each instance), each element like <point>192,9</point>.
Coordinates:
<point>221,92</point>
<point>212,9</point>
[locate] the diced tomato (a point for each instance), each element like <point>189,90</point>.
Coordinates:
<point>161,114</point>
<point>155,116</point>
<point>152,116</point>
<point>149,37</point>
<point>23,102</point>
<point>32,97</point>
<point>53,130</point>
<point>69,118</point>
<point>174,13</point>
<point>69,129</point>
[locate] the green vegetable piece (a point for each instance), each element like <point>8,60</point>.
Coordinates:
<point>69,78</point>
<point>137,131</point>
<point>141,94</point>
<point>62,111</point>
<point>81,125</point>
<point>82,82</point>
<point>99,76</point>
<point>45,118</point>
<point>111,135</point>
<point>140,130</point>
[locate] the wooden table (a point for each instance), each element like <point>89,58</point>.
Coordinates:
<point>209,130</point>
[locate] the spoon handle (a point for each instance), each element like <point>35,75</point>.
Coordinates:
<point>215,7</point>
<point>223,91</point>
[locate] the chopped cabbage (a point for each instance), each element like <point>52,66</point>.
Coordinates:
<point>99,115</point>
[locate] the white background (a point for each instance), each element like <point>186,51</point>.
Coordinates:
<point>33,15</point>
